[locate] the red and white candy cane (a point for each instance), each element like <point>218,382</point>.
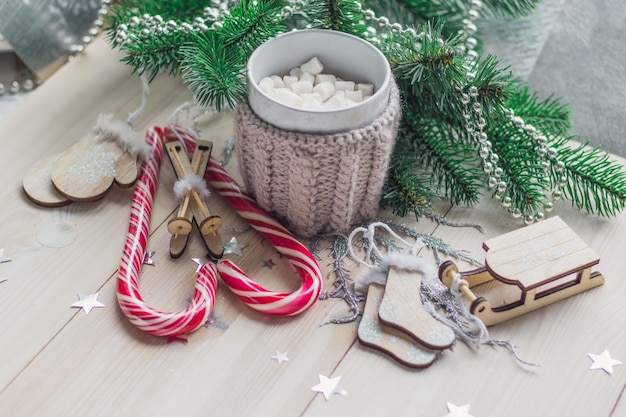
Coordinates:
<point>251,293</point>
<point>134,308</point>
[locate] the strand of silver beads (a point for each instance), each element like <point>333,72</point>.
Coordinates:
<point>476,124</point>
<point>143,27</point>
<point>475,121</point>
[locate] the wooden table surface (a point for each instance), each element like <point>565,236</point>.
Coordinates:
<point>58,361</point>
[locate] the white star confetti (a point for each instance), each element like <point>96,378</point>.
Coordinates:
<point>232,246</point>
<point>3,258</point>
<point>147,258</point>
<point>280,357</point>
<point>199,261</point>
<point>87,302</point>
<point>603,361</point>
<point>329,386</point>
<point>456,411</point>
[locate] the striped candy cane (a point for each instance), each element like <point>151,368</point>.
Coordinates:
<point>134,308</point>
<point>251,293</point>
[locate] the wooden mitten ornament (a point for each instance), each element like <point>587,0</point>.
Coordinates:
<point>108,154</point>
<point>37,185</point>
<point>546,261</point>
<point>402,308</point>
<point>393,342</point>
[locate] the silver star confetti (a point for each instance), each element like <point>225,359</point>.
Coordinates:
<point>456,411</point>
<point>87,302</point>
<point>269,264</point>
<point>3,258</point>
<point>232,246</point>
<point>280,357</point>
<point>329,386</point>
<point>603,361</point>
<point>147,258</point>
<point>3,280</point>
<point>199,261</point>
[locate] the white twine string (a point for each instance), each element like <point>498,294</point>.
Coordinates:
<point>144,101</point>
<point>379,264</point>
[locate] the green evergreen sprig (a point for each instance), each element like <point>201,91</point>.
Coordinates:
<point>341,15</point>
<point>214,62</point>
<point>250,24</point>
<point>593,182</point>
<point>428,68</point>
<point>454,105</point>
<point>214,71</point>
<point>153,52</point>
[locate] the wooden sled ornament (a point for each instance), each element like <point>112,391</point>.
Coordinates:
<point>547,261</point>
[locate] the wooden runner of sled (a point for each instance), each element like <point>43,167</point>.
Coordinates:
<point>546,261</point>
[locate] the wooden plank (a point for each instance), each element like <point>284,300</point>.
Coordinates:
<point>44,281</point>
<point>58,361</point>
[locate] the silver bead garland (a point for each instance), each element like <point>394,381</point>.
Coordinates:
<point>475,122</point>
<point>147,25</point>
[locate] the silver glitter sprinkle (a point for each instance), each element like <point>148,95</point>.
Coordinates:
<point>95,164</point>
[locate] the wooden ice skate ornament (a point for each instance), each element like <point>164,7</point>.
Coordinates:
<point>546,261</point>
<point>399,345</point>
<point>192,208</point>
<point>401,307</point>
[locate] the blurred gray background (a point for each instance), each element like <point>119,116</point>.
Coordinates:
<point>576,50</point>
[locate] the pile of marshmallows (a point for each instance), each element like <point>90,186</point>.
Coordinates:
<point>308,88</point>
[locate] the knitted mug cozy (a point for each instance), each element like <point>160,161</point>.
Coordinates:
<point>317,183</point>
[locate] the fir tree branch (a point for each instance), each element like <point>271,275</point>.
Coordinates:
<point>152,52</point>
<point>408,188</point>
<point>435,145</point>
<point>214,63</point>
<point>594,182</point>
<point>252,23</point>
<point>340,15</point>
<point>214,71</point>
<point>550,116</point>
<point>522,171</point>
<point>157,54</point>
<point>495,85</point>
<point>427,64</point>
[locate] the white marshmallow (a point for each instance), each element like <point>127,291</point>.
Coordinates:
<point>325,89</point>
<point>289,80</point>
<point>366,88</point>
<point>302,87</point>
<point>314,66</point>
<point>336,102</point>
<point>311,101</point>
<point>355,96</point>
<point>307,76</point>
<point>270,91</point>
<point>278,81</point>
<point>288,97</point>
<point>266,82</point>
<point>307,87</point>
<point>344,85</point>
<point>321,78</point>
